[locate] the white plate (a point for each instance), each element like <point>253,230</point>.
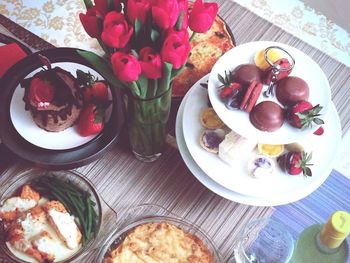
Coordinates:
<point>324,148</point>
<point>26,127</point>
<point>238,121</point>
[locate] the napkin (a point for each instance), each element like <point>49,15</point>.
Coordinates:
<point>10,54</point>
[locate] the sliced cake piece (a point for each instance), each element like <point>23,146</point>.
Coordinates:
<point>53,98</point>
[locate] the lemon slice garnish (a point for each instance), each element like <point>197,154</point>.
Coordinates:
<point>260,61</point>
<point>271,150</point>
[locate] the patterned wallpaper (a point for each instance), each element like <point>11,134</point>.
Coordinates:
<point>57,21</point>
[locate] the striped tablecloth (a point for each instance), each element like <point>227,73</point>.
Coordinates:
<point>123,181</point>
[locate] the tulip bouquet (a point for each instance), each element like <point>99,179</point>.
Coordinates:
<point>147,43</point>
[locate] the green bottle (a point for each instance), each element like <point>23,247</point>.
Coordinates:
<point>324,243</point>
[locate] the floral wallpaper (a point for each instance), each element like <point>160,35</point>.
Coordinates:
<point>57,21</point>
<point>305,23</point>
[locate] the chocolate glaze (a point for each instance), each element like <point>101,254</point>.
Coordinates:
<point>291,90</point>
<point>64,96</point>
<point>246,73</point>
<point>267,116</point>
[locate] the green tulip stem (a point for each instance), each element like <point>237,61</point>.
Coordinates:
<point>192,36</point>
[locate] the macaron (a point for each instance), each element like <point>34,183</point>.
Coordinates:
<point>251,96</point>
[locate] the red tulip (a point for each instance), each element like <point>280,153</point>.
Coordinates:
<point>125,66</point>
<point>116,31</point>
<point>138,9</point>
<point>90,22</point>
<point>165,13</point>
<point>176,48</point>
<point>151,63</point>
<point>202,16</point>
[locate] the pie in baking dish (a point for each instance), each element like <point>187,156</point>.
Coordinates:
<point>206,49</point>
<point>160,243</point>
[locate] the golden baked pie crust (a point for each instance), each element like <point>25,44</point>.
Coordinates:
<point>206,49</point>
<point>160,242</point>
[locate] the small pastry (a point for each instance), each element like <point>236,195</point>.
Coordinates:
<point>260,166</point>
<point>234,147</point>
<point>210,139</point>
<point>273,55</point>
<point>291,90</point>
<point>210,120</point>
<point>244,74</point>
<point>267,116</point>
<point>270,150</point>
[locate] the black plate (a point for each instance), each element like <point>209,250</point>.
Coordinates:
<point>54,159</point>
<point>7,40</point>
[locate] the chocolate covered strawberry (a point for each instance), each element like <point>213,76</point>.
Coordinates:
<point>296,163</point>
<point>227,87</point>
<point>302,115</point>
<point>91,120</point>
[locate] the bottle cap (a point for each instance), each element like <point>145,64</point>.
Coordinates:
<point>336,229</point>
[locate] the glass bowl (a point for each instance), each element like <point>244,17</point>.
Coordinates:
<point>13,185</point>
<point>151,213</point>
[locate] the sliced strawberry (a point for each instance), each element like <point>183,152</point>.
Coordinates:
<point>91,120</point>
<point>319,131</point>
<point>302,115</point>
<point>40,91</point>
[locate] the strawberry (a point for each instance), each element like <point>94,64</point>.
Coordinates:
<point>295,163</point>
<point>94,90</point>
<point>91,120</point>
<point>227,86</point>
<point>302,115</point>
<point>319,131</point>
<point>40,91</point>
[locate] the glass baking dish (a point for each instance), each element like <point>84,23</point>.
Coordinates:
<point>104,212</point>
<point>151,213</point>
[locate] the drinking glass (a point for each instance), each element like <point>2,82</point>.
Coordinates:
<point>263,240</point>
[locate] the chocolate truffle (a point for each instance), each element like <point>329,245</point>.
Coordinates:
<point>246,73</point>
<point>291,90</point>
<point>267,116</point>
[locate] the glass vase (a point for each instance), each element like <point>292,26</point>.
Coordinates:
<point>147,125</point>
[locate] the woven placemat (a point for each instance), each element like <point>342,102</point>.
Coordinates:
<point>124,181</point>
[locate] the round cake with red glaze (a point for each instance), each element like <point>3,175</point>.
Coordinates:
<point>290,90</point>
<point>246,73</point>
<point>267,116</point>
<point>53,98</point>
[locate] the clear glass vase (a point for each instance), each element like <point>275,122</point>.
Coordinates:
<point>147,125</point>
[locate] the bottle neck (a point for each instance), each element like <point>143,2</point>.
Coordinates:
<point>323,247</point>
